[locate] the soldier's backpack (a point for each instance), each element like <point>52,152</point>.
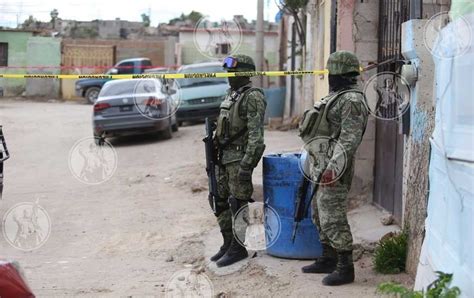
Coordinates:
<point>314,121</point>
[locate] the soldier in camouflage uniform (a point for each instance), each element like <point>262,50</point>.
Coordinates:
<point>346,122</point>
<point>239,137</point>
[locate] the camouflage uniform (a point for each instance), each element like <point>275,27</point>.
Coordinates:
<point>242,111</point>
<point>348,118</point>
<point>252,107</point>
<point>344,123</point>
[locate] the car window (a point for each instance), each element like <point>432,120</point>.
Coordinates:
<point>129,88</point>
<point>125,68</point>
<point>146,64</point>
<point>186,83</point>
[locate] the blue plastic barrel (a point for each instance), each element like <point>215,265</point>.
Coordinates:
<point>281,179</point>
<point>275,102</point>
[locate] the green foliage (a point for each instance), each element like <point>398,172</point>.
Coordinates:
<point>81,32</point>
<point>296,4</point>
<point>390,288</point>
<point>145,20</point>
<point>29,22</point>
<point>193,16</point>
<point>438,289</point>
<point>54,14</point>
<point>391,253</point>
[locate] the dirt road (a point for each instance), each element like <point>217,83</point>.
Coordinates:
<point>129,235</point>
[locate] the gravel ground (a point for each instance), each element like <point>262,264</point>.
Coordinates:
<point>132,234</point>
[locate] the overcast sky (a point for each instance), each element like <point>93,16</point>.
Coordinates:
<point>12,11</point>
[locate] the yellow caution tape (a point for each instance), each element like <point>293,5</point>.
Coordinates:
<point>168,75</point>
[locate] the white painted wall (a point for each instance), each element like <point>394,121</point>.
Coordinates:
<point>450,223</point>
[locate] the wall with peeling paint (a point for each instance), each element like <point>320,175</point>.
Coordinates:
<point>417,145</point>
<point>449,226</point>
<point>357,25</point>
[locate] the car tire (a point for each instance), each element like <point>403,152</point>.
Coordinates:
<point>91,94</point>
<point>175,127</point>
<point>99,141</point>
<point>167,133</point>
<point>180,123</point>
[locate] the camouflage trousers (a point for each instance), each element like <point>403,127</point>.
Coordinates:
<point>229,184</point>
<point>330,212</point>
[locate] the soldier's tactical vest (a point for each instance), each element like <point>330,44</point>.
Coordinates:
<point>232,120</point>
<point>315,123</point>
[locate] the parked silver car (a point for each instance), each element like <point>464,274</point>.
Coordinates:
<point>137,106</point>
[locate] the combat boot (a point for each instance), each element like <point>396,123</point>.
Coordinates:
<point>227,240</point>
<point>235,253</point>
<point>344,273</point>
<point>325,263</point>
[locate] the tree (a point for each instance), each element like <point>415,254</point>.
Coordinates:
<point>28,23</point>
<point>193,16</point>
<point>146,20</point>
<point>54,16</point>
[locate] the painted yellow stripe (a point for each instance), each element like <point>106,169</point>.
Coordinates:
<point>168,75</point>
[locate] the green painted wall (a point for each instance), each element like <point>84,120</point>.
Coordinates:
<point>43,51</point>
<point>17,48</point>
<point>461,8</point>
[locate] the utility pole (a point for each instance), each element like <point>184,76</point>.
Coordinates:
<point>259,57</point>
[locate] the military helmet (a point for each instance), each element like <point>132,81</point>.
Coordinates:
<point>343,62</point>
<point>239,63</point>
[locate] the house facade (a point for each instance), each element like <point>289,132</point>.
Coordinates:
<point>192,43</point>
<point>23,52</point>
<point>393,160</point>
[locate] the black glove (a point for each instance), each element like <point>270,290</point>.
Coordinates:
<point>245,172</point>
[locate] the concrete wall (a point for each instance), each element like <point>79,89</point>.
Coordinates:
<point>17,56</point>
<point>298,94</point>
<point>310,62</point>
<point>190,54</point>
<point>322,36</point>
<point>43,51</point>
<point>357,31</point>
<point>158,50</point>
<point>417,146</point>
<point>449,239</point>
<point>317,49</point>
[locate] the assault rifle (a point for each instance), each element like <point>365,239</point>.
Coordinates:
<point>211,162</point>
<point>301,207</point>
<point>4,155</point>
